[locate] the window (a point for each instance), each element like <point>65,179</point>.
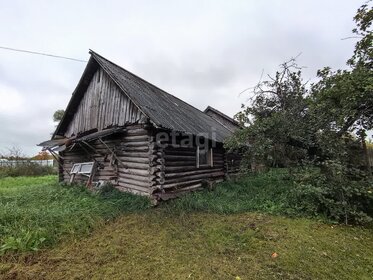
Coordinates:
<point>204,157</point>
<point>84,168</point>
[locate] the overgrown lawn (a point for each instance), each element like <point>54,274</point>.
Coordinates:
<point>266,192</point>
<point>227,233</point>
<point>36,211</point>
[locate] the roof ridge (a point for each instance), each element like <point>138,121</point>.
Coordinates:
<point>94,53</point>
<point>162,109</point>
<point>221,113</point>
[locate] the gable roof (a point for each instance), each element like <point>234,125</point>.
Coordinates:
<point>223,116</point>
<point>163,109</point>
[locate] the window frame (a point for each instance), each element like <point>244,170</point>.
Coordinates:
<point>77,168</point>
<point>209,158</point>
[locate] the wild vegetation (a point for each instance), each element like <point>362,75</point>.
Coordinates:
<point>236,231</point>
<point>312,139</point>
<point>26,169</point>
<point>36,211</point>
<point>322,126</point>
<point>14,163</point>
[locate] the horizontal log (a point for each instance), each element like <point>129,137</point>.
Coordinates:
<point>203,171</point>
<point>136,160</point>
<point>121,154</point>
<point>180,163</point>
<point>188,188</point>
<point>136,132</point>
<point>142,172</point>
<point>133,189</point>
<point>182,153</point>
<point>135,149</point>
<point>180,184</point>
<point>136,144</point>
<point>137,138</point>
<point>134,165</point>
<point>135,182</point>
<point>196,176</point>
<point>172,169</point>
<point>145,179</point>
<point>179,157</point>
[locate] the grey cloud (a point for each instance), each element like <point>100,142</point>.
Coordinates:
<point>204,52</point>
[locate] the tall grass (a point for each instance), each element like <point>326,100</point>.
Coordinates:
<point>37,212</point>
<point>266,192</point>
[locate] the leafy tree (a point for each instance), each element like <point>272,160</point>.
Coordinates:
<point>290,124</point>
<point>43,155</point>
<point>58,115</point>
<point>276,120</point>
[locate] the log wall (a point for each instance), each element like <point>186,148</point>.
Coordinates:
<point>144,166</point>
<point>132,169</point>
<point>103,105</point>
<point>179,171</point>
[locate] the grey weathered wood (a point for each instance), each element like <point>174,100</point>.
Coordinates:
<point>102,105</point>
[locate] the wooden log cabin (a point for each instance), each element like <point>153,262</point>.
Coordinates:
<point>121,129</point>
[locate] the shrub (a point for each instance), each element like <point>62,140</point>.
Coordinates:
<point>26,169</point>
<point>339,193</point>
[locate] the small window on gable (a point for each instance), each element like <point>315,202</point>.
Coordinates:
<point>204,157</point>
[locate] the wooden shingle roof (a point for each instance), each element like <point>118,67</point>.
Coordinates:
<point>163,109</point>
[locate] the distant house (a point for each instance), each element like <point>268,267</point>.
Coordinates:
<point>121,129</point>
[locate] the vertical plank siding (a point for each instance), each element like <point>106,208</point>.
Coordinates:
<point>103,105</point>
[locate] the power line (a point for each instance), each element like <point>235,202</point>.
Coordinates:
<point>44,54</point>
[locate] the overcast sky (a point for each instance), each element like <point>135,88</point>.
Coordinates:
<point>204,52</point>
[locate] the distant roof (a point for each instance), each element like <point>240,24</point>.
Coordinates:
<point>163,109</point>
<point>212,109</point>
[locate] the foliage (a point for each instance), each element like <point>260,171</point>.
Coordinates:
<point>26,169</point>
<point>363,53</point>
<point>36,212</point>
<point>277,134</point>
<point>290,124</point>
<point>335,195</point>
<point>43,155</point>
<point>58,115</point>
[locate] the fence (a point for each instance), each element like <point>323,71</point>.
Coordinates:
<point>11,163</point>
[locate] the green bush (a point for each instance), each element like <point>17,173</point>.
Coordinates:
<point>300,192</point>
<point>26,169</point>
<point>340,194</point>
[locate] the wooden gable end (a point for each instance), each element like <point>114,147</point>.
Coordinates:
<point>103,105</point>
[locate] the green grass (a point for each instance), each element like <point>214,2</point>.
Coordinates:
<point>153,245</point>
<point>36,211</point>
<point>266,193</point>
<point>228,233</point>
